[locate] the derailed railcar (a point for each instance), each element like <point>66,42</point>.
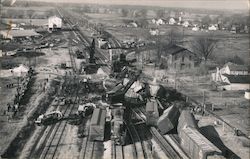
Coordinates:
<point>168,120</point>
<point>118,129</point>
<point>152,113</point>
<point>197,146</point>
<point>186,119</point>
<point>97,125</point>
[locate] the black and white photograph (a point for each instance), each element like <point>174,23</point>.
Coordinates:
<point>124,79</point>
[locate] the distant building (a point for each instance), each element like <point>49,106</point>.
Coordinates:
<point>234,69</point>
<point>54,23</point>
<point>154,31</point>
<point>195,28</point>
<point>171,21</point>
<point>212,28</point>
<point>177,58</point>
<point>185,24</point>
<point>159,22</point>
<point>232,77</point>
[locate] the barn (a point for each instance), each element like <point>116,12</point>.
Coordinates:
<point>54,23</point>
<point>177,58</point>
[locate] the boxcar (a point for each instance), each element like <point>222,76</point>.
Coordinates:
<point>197,146</point>
<point>186,119</point>
<point>118,131</point>
<point>168,120</point>
<point>97,125</point>
<point>152,113</point>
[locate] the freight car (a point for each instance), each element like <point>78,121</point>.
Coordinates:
<point>197,146</point>
<point>97,125</point>
<point>168,120</point>
<point>186,119</point>
<point>152,113</point>
<point>118,130</point>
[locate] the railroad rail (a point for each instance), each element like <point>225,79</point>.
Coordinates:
<point>137,143</point>
<point>118,151</point>
<point>169,144</point>
<point>54,140</point>
<point>77,31</point>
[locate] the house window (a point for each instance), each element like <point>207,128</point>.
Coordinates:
<point>174,65</point>
<point>189,65</point>
<point>175,57</point>
<point>190,57</point>
<point>182,66</point>
<point>182,59</point>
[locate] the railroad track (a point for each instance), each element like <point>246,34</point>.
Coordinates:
<point>54,139</point>
<point>138,145</point>
<point>73,62</point>
<point>168,144</point>
<point>101,57</point>
<point>117,151</point>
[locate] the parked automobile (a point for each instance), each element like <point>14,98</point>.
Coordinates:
<point>49,117</point>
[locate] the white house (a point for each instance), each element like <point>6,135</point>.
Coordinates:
<point>171,21</point>
<point>185,24</point>
<point>54,23</point>
<point>154,31</point>
<point>195,28</point>
<point>212,28</point>
<point>232,77</point>
<point>160,22</point>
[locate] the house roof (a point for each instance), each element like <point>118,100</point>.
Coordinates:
<point>243,79</point>
<point>174,49</point>
<point>235,67</point>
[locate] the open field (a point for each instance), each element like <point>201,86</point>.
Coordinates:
<point>228,46</point>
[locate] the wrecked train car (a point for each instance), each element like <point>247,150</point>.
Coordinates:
<point>168,120</point>
<point>197,146</point>
<point>152,113</point>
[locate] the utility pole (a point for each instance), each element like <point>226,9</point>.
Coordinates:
<point>203,101</point>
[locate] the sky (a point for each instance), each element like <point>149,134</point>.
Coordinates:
<point>210,4</point>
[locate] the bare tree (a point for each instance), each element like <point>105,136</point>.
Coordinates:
<point>124,12</point>
<point>174,35</point>
<point>30,13</point>
<point>204,46</point>
<point>160,13</point>
<point>141,13</point>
